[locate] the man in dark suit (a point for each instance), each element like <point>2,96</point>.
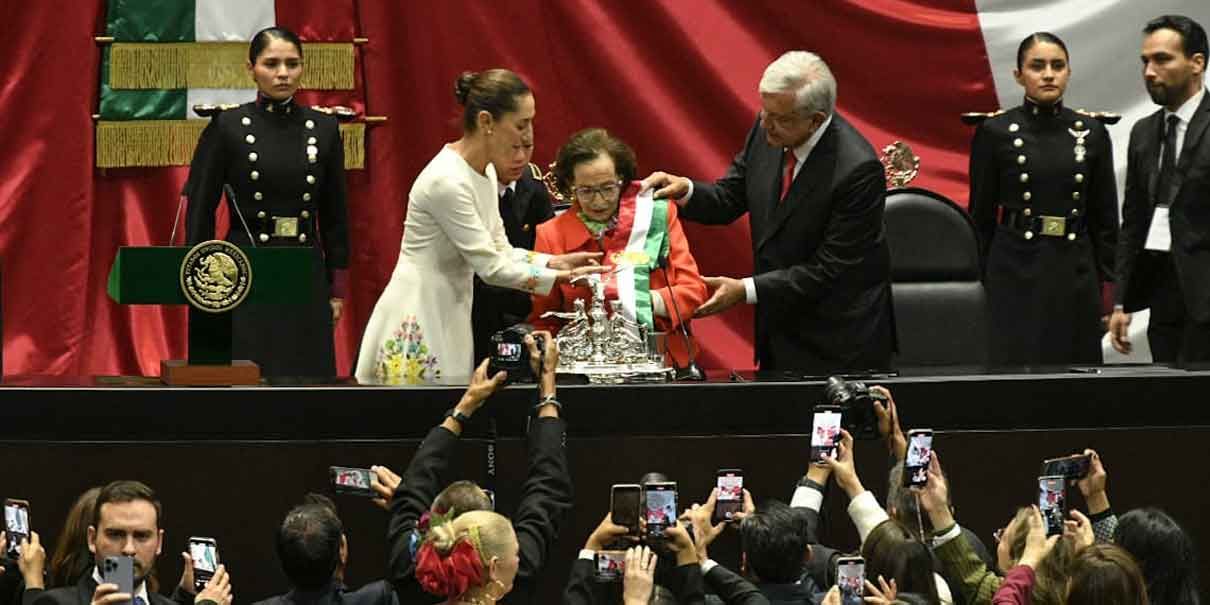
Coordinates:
<point>546,494</point>
<point>813,189</point>
<point>313,551</point>
<point>524,204</point>
<point>1164,250</point>
<point>126,524</point>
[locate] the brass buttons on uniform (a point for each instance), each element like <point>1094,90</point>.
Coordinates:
<point>310,179</point>
<point>304,214</point>
<point>264,237</point>
<point>1075,195</point>
<point>261,214</point>
<point>302,238</point>
<point>246,121</point>
<point>1014,127</point>
<point>1071,237</point>
<point>252,156</point>
<point>255,175</point>
<point>1018,143</point>
<point>312,140</point>
<point>1075,212</point>
<point>1024,177</point>
<point>250,138</point>
<point>258,196</point>
<point>310,124</point>
<point>1027,212</point>
<point>1079,177</point>
<point>1079,125</point>
<point>1021,160</point>
<point>1026,196</point>
<point>1029,235</point>
<point>306,197</point>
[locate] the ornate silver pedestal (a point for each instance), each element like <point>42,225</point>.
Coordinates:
<point>608,348</point>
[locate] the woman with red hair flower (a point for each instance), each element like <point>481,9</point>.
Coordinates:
<point>472,559</point>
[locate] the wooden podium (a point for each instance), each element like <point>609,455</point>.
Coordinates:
<point>151,276</point>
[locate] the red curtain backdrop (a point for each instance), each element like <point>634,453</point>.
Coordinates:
<point>677,79</point>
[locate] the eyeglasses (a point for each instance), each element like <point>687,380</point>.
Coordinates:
<point>607,192</point>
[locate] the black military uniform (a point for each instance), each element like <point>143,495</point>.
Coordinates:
<point>285,165</point>
<point>1044,201</point>
<point>497,308</point>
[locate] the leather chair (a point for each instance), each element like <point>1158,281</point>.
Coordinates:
<point>940,303</point>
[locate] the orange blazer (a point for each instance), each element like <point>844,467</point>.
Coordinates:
<point>566,233</point>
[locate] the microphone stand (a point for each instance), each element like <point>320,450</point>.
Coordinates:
<point>691,372</point>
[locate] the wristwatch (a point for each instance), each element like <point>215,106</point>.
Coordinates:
<point>462,419</point>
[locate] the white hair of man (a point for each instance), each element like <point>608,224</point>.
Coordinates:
<point>807,76</point>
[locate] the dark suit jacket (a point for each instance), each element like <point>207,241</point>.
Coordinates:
<point>374,593</point>
<point>496,308</point>
<point>81,594</point>
<point>1189,215</point>
<point>546,496</point>
<point>822,269</point>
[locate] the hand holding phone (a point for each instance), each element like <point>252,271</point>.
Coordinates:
<point>353,481</point>
<point>659,508</point>
<point>730,500</point>
<point>825,433</point>
<point>1072,467</point>
<point>625,500</point>
<point>119,571</point>
<point>16,526</point>
<point>204,552</point>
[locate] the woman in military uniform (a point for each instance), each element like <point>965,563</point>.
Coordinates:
<point>1044,200</point>
<point>284,165</point>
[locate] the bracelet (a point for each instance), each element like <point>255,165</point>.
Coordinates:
<point>548,400</point>
<point>461,418</point>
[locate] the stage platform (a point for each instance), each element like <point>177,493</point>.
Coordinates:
<point>228,462</point>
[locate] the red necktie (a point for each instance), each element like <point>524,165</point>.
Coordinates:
<point>788,173</point>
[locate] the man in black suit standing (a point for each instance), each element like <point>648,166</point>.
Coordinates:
<point>524,204</point>
<point>1163,253</point>
<point>127,524</point>
<point>813,188</point>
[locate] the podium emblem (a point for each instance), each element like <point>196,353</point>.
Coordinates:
<point>215,276</point>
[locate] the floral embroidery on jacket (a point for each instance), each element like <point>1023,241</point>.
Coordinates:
<point>405,359</point>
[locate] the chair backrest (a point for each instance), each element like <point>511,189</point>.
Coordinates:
<point>940,303</point>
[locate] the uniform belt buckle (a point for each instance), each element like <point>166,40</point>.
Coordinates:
<point>1054,226</point>
<point>285,226</point>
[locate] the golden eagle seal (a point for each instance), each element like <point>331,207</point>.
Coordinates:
<point>215,276</point>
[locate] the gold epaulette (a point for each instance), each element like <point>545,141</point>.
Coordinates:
<point>537,172</point>
<point>207,110</point>
<point>340,112</point>
<point>1105,117</point>
<point>972,118</point>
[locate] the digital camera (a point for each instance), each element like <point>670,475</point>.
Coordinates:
<point>510,354</point>
<point>856,402</point>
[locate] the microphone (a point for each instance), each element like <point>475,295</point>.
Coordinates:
<point>691,371</point>
<point>231,196</point>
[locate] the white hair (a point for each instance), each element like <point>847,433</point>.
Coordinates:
<point>807,76</point>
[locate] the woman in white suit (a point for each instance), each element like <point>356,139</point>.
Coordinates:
<point>420,331</point>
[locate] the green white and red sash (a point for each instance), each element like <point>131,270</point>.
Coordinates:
<point>636,245</point>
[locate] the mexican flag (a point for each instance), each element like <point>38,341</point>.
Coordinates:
<point>166,56</point>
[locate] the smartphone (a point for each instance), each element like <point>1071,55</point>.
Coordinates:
<point>1052,496</point>
<point>353,481</point>
<point>919,455</point>
<point>825,432</point>
<point>16,525</point>
<point>624,501</point>
<point>120,571</point>
<point>610,565</point>
<point>850,578</point>
<point>1072,467</point>
<point>204,552</point>
<point>659,507</point>
<point>730,500</point>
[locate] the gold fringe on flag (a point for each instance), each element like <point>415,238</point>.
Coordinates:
<point>134,143</point>
<point>175,65</point>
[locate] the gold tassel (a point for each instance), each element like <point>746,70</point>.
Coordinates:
<point>127,144</point>
<point>175,65</point>
<point>354,136</point>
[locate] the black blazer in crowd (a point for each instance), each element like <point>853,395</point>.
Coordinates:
<point>1189,215</point>
<point>546,496</point>
<point>822,265</point>
<point>374,593</point>
<point>496,308</point>
<point>81,594</point>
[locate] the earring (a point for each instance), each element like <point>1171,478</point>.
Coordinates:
<point>499,586</point>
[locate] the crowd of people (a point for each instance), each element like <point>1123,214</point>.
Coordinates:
<point>446,544</point>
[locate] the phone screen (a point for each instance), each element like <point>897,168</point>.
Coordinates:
<point>660,510</point>
<point>354,481</point>
<point>850,577</point>
<point>16,524</point>
<point>919,455</point>
<point>730,494</point>
<point>611,565</point>
<point>825,434</point>
<point>624,508</point>
<point>1052,496</point>
<point>204,552</point>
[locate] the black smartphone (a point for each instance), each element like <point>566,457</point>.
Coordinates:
<point>610,565</point>
<point>204,552</point>
<point>730,484</point>
<point>659,507</point>
<point>353,481</point>
<point>919,455</point>
<point>1072,467</point>
<point>16,526</point>
<point>825,432</point>
<point>1052,500</point>
<point>850,578</point>
<point>624,503</point>
<point>120,571</point>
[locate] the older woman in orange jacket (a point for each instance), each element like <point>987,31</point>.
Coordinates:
<point>607,215</point>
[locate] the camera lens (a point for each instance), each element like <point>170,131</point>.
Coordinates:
<point>837,391</point>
